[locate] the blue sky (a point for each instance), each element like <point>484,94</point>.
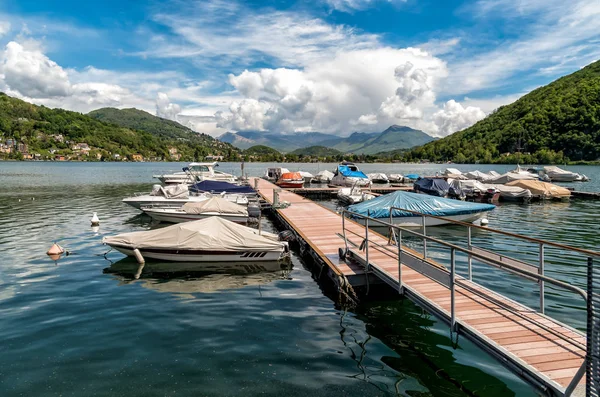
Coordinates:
<point>335,66</point>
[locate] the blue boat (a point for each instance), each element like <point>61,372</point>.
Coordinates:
<point>429,205</point>
<point>218,187</point>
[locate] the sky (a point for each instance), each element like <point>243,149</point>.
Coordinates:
<point>333,66</point>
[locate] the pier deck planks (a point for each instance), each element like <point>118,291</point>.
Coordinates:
<point>528,339</point>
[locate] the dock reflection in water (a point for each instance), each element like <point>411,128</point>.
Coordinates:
<point>186,279</point>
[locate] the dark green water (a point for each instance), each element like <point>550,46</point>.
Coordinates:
<point>71,328</point>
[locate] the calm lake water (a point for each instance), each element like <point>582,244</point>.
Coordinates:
<point>85,326</point>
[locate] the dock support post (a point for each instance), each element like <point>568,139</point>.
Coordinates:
<point>424,239</point>
<point>541,271</point>
<point>276,197</point>
<point>452,275</point>
<point>470,259</point>
<point>399,241</point>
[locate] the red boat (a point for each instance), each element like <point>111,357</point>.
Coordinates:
<point>290,179</point>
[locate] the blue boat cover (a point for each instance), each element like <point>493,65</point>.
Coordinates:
<point>219,187</point>
<point>380,207</point>
<point>412,176</point>
<point>346,171</point>
<point>433,186</point>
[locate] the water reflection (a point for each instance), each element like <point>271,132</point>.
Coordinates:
<point>187,279</point>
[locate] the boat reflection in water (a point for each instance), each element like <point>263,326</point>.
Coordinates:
<point>188,278</point>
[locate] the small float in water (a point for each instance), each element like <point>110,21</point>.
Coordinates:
<point>209,240</point>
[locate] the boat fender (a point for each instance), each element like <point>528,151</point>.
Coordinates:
<point>138,256</point>
<point>342,253</point>
<point>95,220</point>
<point>484,222</point>
<point>362,245</point>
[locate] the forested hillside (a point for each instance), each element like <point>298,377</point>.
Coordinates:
<point>553,124</point>
<point>37,132</point>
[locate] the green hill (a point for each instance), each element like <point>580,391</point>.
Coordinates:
<point>263,152</point>
<point>317,151</point>
<point>552,124</point>
<point>31,129</point>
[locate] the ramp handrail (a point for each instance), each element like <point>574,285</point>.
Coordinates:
<point>540,277</point>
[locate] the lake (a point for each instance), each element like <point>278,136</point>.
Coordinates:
<point>85,326</point>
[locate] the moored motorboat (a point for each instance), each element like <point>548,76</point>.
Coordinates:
<point>209,240</point>
<point>556,174</point>
<point>307,176</point>
<point>215,206</point>
<point>543,190</point>
<point>381,207</point>
<point>290,180</point>
<point>274,173</point>
<point>196,172</point>
<point>432,186</point>
<point>378,177</point>
<point>348,174</point>
<point>178,195</point>
<point>395,178</point>
<point>322,177</point>
<point>353,195</point>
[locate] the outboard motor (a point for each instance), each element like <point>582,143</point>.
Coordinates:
<point>286,235</point>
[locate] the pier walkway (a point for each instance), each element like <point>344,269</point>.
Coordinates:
<point>548,354</point>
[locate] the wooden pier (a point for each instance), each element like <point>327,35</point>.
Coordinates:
<point>543,351</point>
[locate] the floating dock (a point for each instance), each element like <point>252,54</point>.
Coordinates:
<point>546,353</point>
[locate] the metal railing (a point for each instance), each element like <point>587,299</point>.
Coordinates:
<point>593,331</point>
<point>449,279</point>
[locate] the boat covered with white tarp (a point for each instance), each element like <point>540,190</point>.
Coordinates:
<point>381,207</point>
<point>322,177</point>
<point>378,177</point>
<point>512,176</point>
<point>208,240</point>
<point>214,206</point>
<point>559,175</point>
<point>178,195</point>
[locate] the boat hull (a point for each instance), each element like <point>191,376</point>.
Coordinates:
<point>173,255</point>
<point>416,221</point>
<point>175,216</point>
<point>291,184</point>
<point>147,200</point>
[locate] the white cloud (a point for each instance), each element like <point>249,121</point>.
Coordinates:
<point>4,28</point>
<point>32,74</point>
<point>454,117</point>
<point>563,37</point>
<point>356,5</point>
<point>219,32</point>
<point>166,109</point>
<point>368,88</point>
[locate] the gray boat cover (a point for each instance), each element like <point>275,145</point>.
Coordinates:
<point>210,234</point>
<point>452,171</point>
<point>174,191</point>
<point>510,191</point>
<point>511,176</point>
<point>325,175</point>
<point>214,204</point>
<point>465,187</point>
<point>478,175</point>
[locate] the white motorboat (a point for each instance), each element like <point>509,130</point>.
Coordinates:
<point>307,176</point>
<point>274,173</point>
<point>215,206</point>
<point>353,195</point>
<point>556,174</point>
<point>348,174</point>
<point>196,172</point>
<point>378,178</point>
<point>209,240</point>
<point>380,207</point>
<point>178,195</point>
<point>322,177</point>
<point>395,178</point>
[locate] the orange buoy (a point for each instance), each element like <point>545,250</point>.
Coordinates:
<point>55,250</point>
<point>54,257</point>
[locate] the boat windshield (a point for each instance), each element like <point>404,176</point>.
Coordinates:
<point>199,168</point>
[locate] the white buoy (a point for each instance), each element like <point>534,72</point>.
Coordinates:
<point>95,220</point>
<point>138,256</point>
<point>484,222</point>
<point>19,200</point>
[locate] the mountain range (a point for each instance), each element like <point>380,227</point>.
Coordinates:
<point>395,137</point>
